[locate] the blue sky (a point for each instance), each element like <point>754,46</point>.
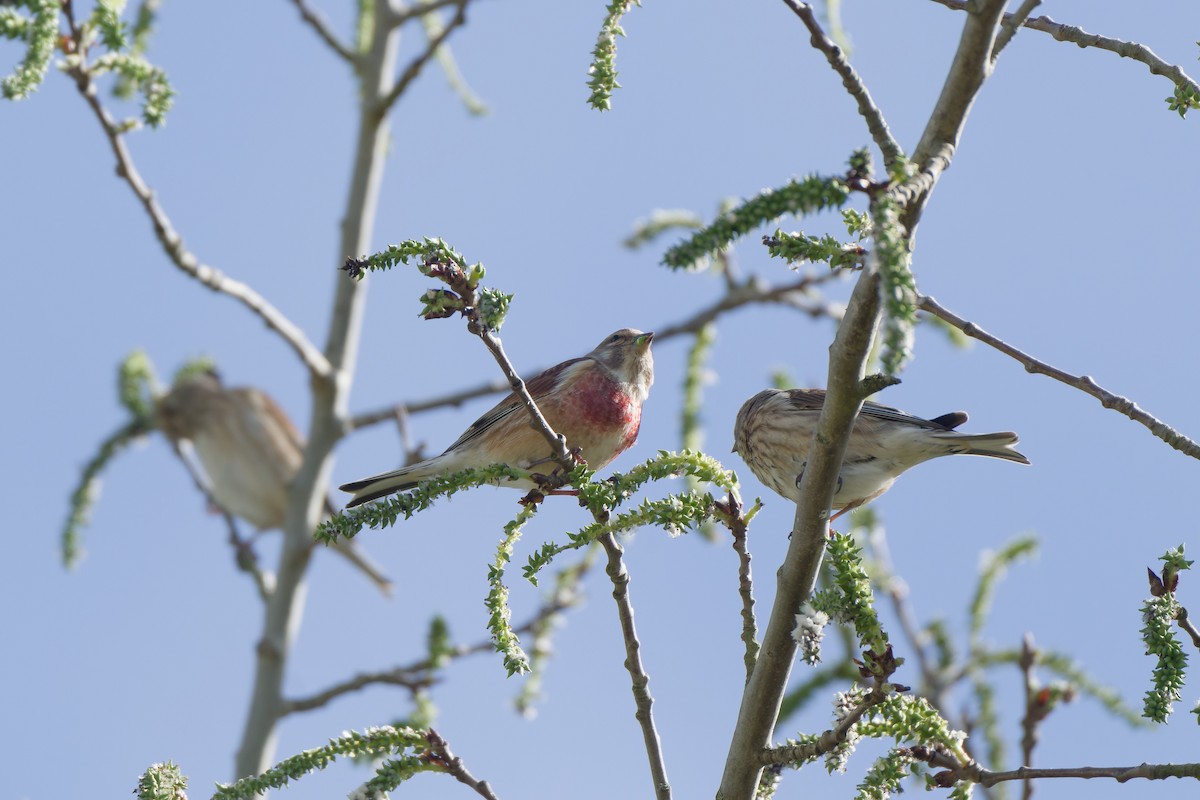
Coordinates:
<point>1064,225</point>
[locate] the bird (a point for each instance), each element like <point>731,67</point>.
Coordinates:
<point>774,430</point>
<point>250,452</point>
<point>595,401</point>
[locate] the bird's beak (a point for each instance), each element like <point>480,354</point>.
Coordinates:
<point>643,341</point>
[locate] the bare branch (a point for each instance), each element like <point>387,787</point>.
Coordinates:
<point>1187,626</point>
<point>183,258</point>
<point>971,67</point>
<point>633,662</point>
<point>419,674</point>
<point>318,24</point>
<point>454,765</point>
<point>243,550</point>
<point>1084,383</point>
<point>1029,721</point>
<point>1078,36</point>
<point>1010,24</point>
<point>401,14</point>
<point>977,774</point>
<point>388,413</point>
<point>752,291</point>
<point>418,63</point>
<point>876,124</point>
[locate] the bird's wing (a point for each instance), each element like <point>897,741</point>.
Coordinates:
<point>538,387</point>
<point>276,430</point>
<point>814,399</point>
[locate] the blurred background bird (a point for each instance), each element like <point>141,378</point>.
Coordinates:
<point>595,401</point>
<point>250,452</point>
<point>775,428</point>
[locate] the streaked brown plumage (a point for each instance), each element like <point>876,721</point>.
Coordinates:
<point>595,401</point>
<point>250,452</point>
<point>775,428</point>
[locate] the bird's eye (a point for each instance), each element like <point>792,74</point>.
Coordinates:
<point>616,337</point>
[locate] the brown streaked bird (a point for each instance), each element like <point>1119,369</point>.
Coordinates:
<point>595,401</point>
<point>250,452</point>
<point>774,431</point>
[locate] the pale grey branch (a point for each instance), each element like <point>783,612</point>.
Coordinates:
<point>1078,36</point>
<point>1011,24</point>
<point>971,67</point>
<point>322,29</point>
<point>876,124</point>
<point>184,259</point>
<point>418,63</point>
<point>419,674</point>
<point>1084,383</point>
<point>977,774</point>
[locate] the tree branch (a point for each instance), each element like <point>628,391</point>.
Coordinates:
<point>876,124</point>
<point>308,494</point>
<point>322,29</point>
<point>977,774</point>
<point>401,14</point>
<point>173,245</point>
<point>417,675</point>
<point>1010,24</point>
<point>243,551</point>
<point>633,662</point>
<point>418,63</point>
<point>971,67</point>
<point>797,576</point>
<point>1077,36</point>
<point>1084,383</point>
<point>1029,721</point>
<point>455,767</point>
<point>830,739</point>
<point>745,587</point>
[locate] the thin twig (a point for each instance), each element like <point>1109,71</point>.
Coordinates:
<point>1080,37</point>
<point>455,767</point>
<point>453,399</point>
<point>971,67</point>
<point>1029,722</point>
<point>897,592</point>
<point>830,739</point>
<point>184,259</point>
<point>751,291</point>
<point>876,124</point>
<point>556,440</point>
<point>401,15</point>
<point>1187,626</point>
<point>1084,383</point>
<point>738,527</point>
<point>417,675</point>
<point>1010,24</point>
<point>633,662</point>
<point>977,774</point>
<point>318,24</point>
<point>243,551</point>
<point>418,63</point>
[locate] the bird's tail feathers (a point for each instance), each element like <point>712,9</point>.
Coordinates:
<point>400,480</point>
<point>993,445</point>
